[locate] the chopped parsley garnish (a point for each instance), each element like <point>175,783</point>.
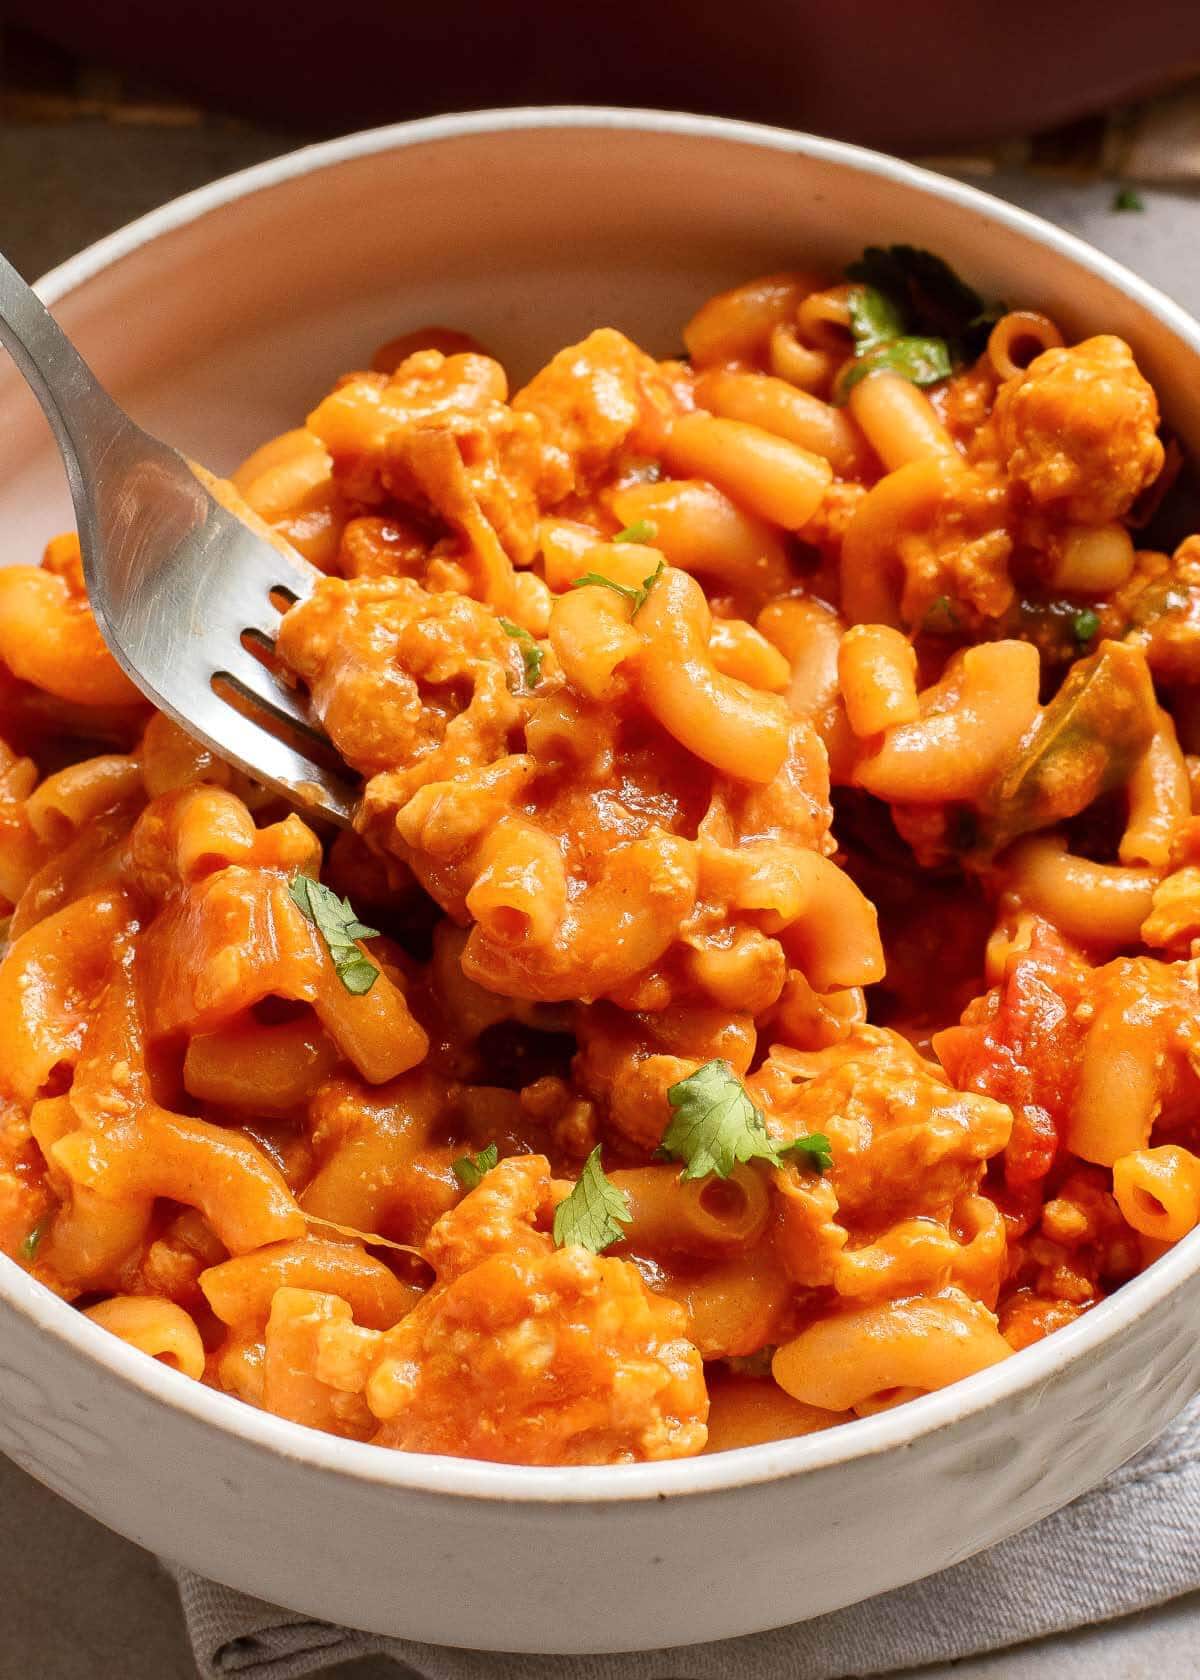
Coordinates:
<point>471,1170</point>
<point>641,531</point>
<point>595,1212</point>
<point>531,653</point>
<point>715,1126</point>
<point>339,927</point>
<point>1128,198</point>
<point>1085,625</point>
<point>913,315</point>
<point>32,1241</point>
<point>636,595</point>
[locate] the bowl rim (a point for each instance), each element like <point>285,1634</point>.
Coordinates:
<point>1027,1372</point>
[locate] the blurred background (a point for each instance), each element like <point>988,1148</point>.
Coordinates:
<point>109,109</point>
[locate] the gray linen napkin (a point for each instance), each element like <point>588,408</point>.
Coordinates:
<point>1131,1543</point>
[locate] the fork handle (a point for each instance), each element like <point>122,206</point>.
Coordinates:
<point>82,415</point>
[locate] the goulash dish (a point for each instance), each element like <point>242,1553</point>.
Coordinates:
<point>760,984</point>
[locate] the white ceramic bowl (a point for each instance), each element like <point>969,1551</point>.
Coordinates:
<point>218,320</point>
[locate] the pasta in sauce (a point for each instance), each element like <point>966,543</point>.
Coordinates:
<point>761,983</point>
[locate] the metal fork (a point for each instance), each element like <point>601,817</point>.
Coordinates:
<point>180,588</point>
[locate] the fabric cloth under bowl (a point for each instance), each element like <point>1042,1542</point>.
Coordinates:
<point>1131,1543</point>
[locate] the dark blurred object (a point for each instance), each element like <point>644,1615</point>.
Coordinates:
<point>907,76</point>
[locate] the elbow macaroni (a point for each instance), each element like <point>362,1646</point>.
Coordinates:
<point>700,719</point>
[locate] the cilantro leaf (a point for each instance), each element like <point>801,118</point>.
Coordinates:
<point>924,361</point>
<point>339,927</point>
<point>874,318</point>
<point>32,1240</point>
<point>911,313</point>
<point>641,531</point>
<point>1128,198</point>
<point>471,1170</point>
<point>637,596</point>
<point>928,299</point>
<point>815,1148</point>
<point>1085,625</point>
<point>595,1211</point>
<point>931,298</point>
<point>531,653</point>
<point>715,1126</point>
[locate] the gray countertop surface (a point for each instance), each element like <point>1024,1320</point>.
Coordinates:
<point>83,1604</point>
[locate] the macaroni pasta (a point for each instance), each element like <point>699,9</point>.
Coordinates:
<point>760,986</point>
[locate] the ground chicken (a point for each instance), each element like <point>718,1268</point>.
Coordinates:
<point>628,1062</point>
<point>595,399</point>
<point>956,566</point>
<point>438,437</point>
<point>1078,429</point>
<point>499,1217</point>
<point>1174,920</point>
<point>905,1143</point>
<point>394,670</point>
<point>1159,609</point>
<point>536,1355</point>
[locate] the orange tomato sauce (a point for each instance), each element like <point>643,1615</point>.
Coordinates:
<point>927,900</point>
